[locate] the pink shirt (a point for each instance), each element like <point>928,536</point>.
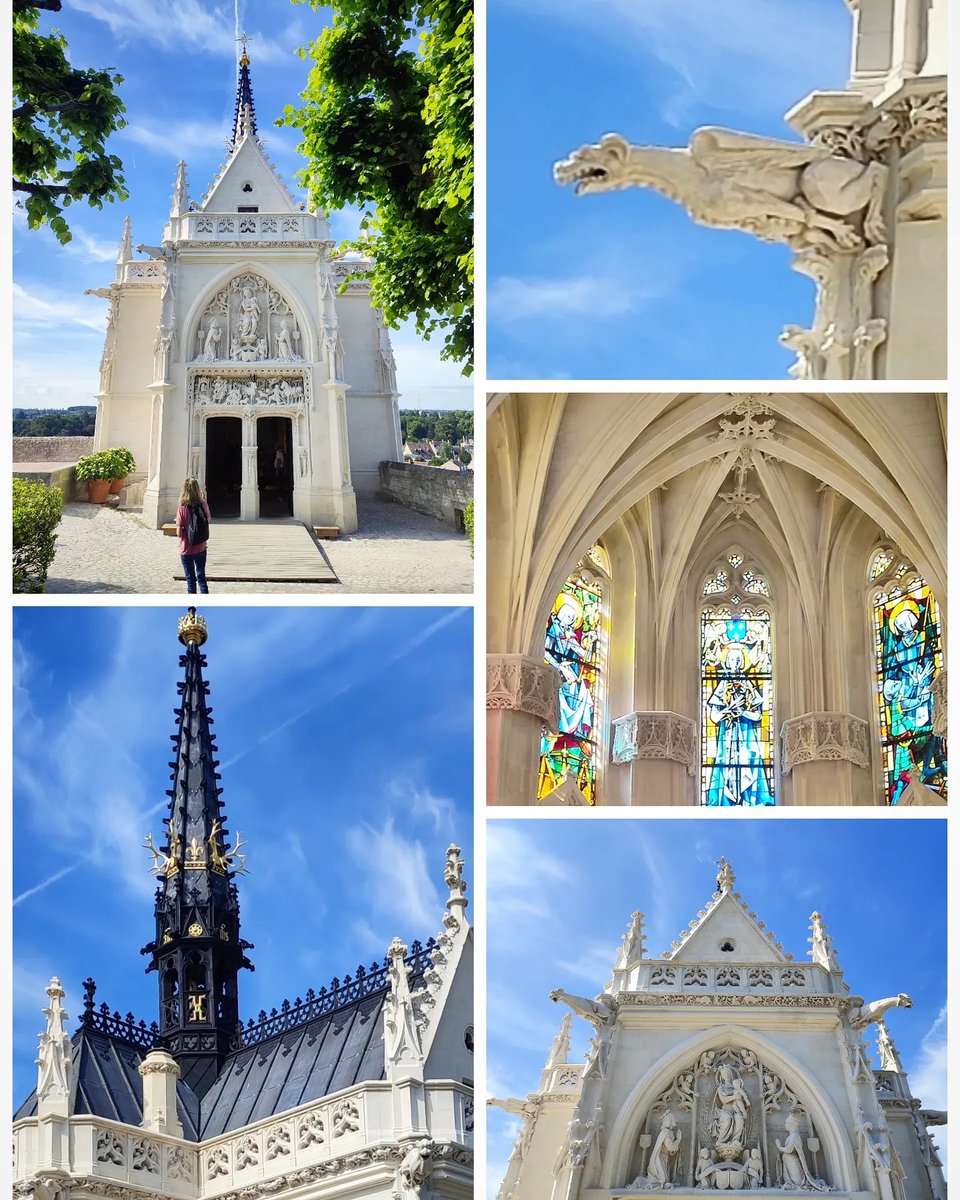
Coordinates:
<point>183,524</point>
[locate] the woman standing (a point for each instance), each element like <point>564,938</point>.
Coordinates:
<point>193,527</point>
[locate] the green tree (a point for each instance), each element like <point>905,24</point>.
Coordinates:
<point>465,456</point>
<point>390,128</point>
<point>61,121</point>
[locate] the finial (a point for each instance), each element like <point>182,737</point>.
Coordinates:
<point>243,39</point>
<point>246,121</point>
<point>453,878</point>
<point>821,944</point>
<point>89,991</point>
<point>181,198</point>
<point>633,947</point>
<point>725,876</point>
<point>54,1057</point>
<point>559,1054</point>
<point>192,629</point>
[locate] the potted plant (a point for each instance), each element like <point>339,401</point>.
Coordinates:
<point>96,470</point>
<point>123,464</point>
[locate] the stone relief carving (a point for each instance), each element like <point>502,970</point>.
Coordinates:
<point>248,1153</point>
<point>178,1165</point>
<point>146,1156</point>
<point>264,390</point>
<point>110,1148</point>
<point>727,1123</point>
<point>217,1163</point>
<point>278,1142</point>
<point>663,975</point>
<point>310,1131</point>
<point>655,735</point>
<point>825,737</point>
<point>346,1118</point>
<point>516,681</point>
<point>247,321</point>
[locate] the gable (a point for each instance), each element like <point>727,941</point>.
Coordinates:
<point>728,923</point>
<point>248,167</point>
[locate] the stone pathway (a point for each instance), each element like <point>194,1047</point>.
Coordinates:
<point>103,549</point>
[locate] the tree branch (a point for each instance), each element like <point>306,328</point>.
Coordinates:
<point>20,6</point>
<point>28,109</point>
<point>36,189</point>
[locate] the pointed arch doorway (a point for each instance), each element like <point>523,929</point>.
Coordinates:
<point>275,466</point>
<point>224,465</point>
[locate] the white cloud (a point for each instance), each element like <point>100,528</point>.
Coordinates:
<point>51,310</point>
<point>512,298</point>
<point>399,888</point>
<point>178,139</point>
<point>928,1079</point>
<point>94,249</point>
<point>419,801</point>
<point>189,25</point>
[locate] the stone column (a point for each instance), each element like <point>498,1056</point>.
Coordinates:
<point>827,755</point>
<point>249,491</point>
<point>657,753</point>
<point>159,1072</point>
<point>939,689</point>
<point>522,698</point>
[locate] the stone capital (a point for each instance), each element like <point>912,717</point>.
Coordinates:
<point>516,681</point>
<point>159,1062</point>
<point>824,737</point>
<point>655,735</point>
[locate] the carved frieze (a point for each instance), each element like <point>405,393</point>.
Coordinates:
<point>243,390</point>
<point>825,737</point>
<point>519,682</point>
<point>655,735</point>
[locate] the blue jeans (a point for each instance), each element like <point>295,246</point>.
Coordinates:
<point>195,571</point>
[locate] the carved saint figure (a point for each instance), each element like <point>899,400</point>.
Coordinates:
<point>755,1168</point>
<point>729,1109</point>
<point>219,390</point>
<point>665,1150</point>
<point>284,343</point>
<point>793,1172</point>
<point>249,315</point>
<point>704,1168</point>
<point>211,346</point>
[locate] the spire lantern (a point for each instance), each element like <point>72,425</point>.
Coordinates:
<point>197,951</point>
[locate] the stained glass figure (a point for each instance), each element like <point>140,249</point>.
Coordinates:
<point>909,657</point>
<point>572,645</point>
<point>736,704</point>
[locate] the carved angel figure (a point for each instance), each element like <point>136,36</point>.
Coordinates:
<point>806,196</point>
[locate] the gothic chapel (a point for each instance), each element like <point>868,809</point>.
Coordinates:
<point>733,600</point>
<point>724,1064</point>
<point>230,354</point>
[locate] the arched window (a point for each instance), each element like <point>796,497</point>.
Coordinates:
<point>736,687</point>
<point>575,644</point>
<point>907,658</point>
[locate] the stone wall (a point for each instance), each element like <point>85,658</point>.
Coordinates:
<point>429,490</point>
<point>51,449</point>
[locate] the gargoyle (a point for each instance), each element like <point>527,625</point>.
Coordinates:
<point>596,1012</point>
<point>861,1015</point>
<point>806,196</point>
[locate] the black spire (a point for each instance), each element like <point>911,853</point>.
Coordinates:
<point>198,950</point>
<point>244,114</point>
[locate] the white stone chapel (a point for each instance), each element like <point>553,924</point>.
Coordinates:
<point>231,356</point>
<point>723,1064</point>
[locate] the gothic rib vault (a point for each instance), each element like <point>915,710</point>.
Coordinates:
<point>804,486</point>
<point>724,1064</point>
<point>363,1089</point>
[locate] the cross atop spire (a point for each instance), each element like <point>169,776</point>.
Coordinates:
<point>244,114</point>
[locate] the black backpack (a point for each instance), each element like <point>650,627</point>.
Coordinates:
<point>198,530</point>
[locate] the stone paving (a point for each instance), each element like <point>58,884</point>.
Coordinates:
<point>104,549</point>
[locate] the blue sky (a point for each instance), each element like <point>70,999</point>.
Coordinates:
<point>345,741</point>
<point>178,59</point>
<point>625,285</point>
<point>560,895</point>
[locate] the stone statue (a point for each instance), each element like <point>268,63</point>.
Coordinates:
<point>704,1168</point>
<point>806,196</point>
<point>416,1165</point>
<point>211,345</point>
<point>794,1173</point>
<point>861,1015</point>
<point>284,344</point>
<point>664,1152</point>
<point>730,1106</point>
<point>249,315</point>
<point>755,1168</point>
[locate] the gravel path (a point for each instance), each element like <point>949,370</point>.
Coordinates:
<point>396,550</point>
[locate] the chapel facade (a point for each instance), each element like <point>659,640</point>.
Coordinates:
<point>861,199</point>
<point>724,1064</point>
<point>231,354</point>
<point>363,1089</point>
<point>728,600</point>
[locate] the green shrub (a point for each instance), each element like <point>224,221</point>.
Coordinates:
<point>468,523</point>
<point>98,465</point>
<point>123,461</point>
<point>36,514</point>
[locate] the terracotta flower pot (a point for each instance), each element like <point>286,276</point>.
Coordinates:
<point>98,490</point>
<point>116,486</point>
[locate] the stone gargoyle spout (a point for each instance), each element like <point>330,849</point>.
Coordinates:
<point>806,196</point>
<point>861,1015</point>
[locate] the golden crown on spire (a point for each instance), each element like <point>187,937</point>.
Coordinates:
<point>192,630</point>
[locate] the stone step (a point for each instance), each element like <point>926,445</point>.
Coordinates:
<point>329,532</point>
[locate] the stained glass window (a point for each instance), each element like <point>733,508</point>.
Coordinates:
<point>573,645</point>
<point>906,629</point>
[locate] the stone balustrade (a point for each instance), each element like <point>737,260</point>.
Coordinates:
<point>253,227</point>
